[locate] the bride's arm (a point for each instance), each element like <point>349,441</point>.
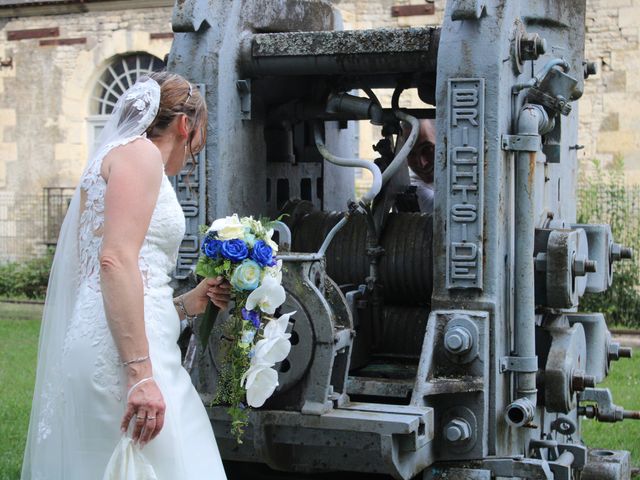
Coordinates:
<point>133,174</point>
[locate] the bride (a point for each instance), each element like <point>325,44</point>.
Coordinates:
<point>109,375</point>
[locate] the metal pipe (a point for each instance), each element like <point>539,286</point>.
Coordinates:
<point>284,231</point>
<point>565,459</point>
<point>350,162</point>
<point>362,107</point>
<point>531,119</point>
<point>520,412</point>
<point>406,148</point>
<point>533,81</point>
<point>336,228</point>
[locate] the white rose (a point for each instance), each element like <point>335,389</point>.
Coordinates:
<point>228,228</point>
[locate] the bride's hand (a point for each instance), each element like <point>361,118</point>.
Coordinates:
<point>146,406</point>
<point>218,290</point>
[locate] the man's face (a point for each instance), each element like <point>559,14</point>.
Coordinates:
<point>421,157</point>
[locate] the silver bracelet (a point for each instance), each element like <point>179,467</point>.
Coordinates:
<point>136,385</point>
<point>179,302</point>
<point>135,360</point>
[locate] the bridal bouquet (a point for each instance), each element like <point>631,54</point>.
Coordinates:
<point>242,251</point>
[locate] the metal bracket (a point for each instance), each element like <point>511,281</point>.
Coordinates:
<point>244,90</point>
<point>468,9</point>
<point>521,143</point>
<point>519,364</point>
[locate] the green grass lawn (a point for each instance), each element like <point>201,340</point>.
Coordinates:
<point>624,383</point>
<point>19,329</point>
<point>20,325</point>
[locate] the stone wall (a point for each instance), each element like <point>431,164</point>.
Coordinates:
<point>45,96</point>
<point>610,108</point>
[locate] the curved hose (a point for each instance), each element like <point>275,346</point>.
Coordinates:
<point>406,148</point>
<point>337,227</point>
<point>376,186</point>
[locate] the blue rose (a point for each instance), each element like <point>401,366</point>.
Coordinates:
<point>211,248</point>
<point>235,250</point>
<point>251,316</point>
<point>246,276</point>
<point>262,254</point>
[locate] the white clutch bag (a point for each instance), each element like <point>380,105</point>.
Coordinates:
<point>128,463</point>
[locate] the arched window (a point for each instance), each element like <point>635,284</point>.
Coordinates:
<point>119,75</point>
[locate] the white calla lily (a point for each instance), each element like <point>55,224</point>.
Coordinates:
<point>272,350</point>
<point>260,381</point>
<point>268,296</point>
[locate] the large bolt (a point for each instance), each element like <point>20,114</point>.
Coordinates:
<point>580,381</point>
<point>626,253</point>
<point>458,340</point>
<point>589,411</point>
<point>625,352</point>
<point>619,252</point>
<point>616,352</point>
<point>532,46</point>
<point>457,430</point>
<point>582,266</point>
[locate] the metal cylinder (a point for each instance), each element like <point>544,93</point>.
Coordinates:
<point>405,268</point>
<point>341,52</point>
<point>520,412</point>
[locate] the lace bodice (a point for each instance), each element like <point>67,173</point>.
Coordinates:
<point>159,251</point>
<point>157,259</point>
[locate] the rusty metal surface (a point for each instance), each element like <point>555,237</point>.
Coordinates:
<point>33,33</point>
<point>413,10</point>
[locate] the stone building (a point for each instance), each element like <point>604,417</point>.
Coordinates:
<point>63,62</point>
<point>63,65</point>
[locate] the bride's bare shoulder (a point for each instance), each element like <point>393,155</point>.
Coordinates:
<point>140,154</point>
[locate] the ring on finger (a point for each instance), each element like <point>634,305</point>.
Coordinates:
<point>151,418</point>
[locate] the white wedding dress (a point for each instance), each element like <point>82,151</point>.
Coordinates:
<point>87,401</point>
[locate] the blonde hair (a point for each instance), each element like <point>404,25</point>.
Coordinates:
<point>178,96</point>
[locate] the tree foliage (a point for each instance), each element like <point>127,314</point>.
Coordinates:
<point>604,197</point>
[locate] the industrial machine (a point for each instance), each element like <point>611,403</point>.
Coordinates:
<point>425,345</point>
